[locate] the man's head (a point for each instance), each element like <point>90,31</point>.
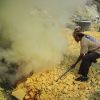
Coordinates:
<point>77,34</point>
<point>78,29</point>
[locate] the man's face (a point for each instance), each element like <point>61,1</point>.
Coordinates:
<point>77,39</point>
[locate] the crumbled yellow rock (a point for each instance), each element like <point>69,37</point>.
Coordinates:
<point>66,88</point>
<point>2,97</point>
<point>19,93</point>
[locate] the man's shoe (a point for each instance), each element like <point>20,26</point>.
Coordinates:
<point>78,79</point>
<point>82,79</point>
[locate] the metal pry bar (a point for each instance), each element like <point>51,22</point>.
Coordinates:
<point>64,73</point>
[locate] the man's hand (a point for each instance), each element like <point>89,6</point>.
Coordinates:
<point>73,66</point>
<point>78,59</point>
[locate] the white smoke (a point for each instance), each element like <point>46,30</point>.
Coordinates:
<point>33,27</point>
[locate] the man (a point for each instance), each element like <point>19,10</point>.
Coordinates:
<point>89,52</point>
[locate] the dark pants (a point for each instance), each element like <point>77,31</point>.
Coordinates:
<point>87,60</point>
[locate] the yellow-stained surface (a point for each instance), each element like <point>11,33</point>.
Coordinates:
<point>42,85</point>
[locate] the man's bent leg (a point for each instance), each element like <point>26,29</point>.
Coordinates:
<point>86,63</point>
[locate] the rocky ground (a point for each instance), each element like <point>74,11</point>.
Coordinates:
<point>43,86</point>
<point>67,88</point>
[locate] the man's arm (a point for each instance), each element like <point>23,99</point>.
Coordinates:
<point>78,60</point>
<point>95,49</point>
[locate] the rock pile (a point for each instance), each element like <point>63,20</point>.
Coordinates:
<point>43,85</point>
<point>66,88</point>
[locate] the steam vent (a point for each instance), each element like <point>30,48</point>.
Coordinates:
<point>40,44</point>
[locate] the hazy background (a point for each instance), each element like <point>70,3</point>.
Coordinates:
<point>30,33</point>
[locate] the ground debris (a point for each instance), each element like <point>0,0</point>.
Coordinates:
<point>67,88</point>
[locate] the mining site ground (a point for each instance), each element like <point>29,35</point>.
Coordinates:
<point>43,86</point>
